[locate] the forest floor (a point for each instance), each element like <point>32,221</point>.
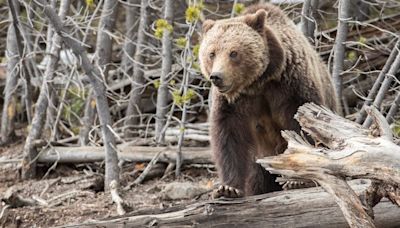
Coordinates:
<point>71,194</point>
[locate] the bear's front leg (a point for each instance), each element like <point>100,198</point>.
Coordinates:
<point>261,181</point>
<point>232,145</point>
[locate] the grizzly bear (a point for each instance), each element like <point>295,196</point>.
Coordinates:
<point>262,69</point>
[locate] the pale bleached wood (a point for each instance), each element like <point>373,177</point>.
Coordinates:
<point>42,103</point>
<point>166,72</point>
<point>350,151</point>
<point>111,159</point>
<point>84,154</point>
<point>311,207</point>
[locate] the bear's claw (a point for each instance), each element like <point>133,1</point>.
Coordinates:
<point>227,192</point>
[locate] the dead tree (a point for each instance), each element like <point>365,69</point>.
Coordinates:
<point>374,90</point>
<point>360,9</point>
<point>104,40</point>
<point>389,77</point>
<point>311,207</point>
<point>393,109</point>
<point>13,73</point>
<point>166,71</point>
<point>25,66</point>
<point>135,95</point>
<point>30,153</point>
<point>103,59</point>
<point>307,18</point>
<point>339,47</point>
<point>349,151</point>
<point>233,8</point>
<point>94,75</point>
<point>88,119</point>
<point>131,25</point>
<point>85,154</point>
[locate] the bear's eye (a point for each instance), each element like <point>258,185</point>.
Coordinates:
<point>212,55</point>
<point>233,54</point>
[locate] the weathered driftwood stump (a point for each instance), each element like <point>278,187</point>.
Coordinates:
<point>311,207</point>
<point>344,150</point>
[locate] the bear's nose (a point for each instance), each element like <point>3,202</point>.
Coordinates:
<point>216,78</point>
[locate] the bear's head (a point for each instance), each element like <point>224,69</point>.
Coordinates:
<point>233,52</point>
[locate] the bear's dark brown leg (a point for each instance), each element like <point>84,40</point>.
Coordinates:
<point>231,142</point>
<point>261,181</point>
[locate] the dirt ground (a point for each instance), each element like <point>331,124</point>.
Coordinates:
<point>70,194</point>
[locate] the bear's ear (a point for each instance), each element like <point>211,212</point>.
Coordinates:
<point>257,20</point>
<point>207,25</point>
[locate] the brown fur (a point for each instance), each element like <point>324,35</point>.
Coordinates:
<point>275,71</point>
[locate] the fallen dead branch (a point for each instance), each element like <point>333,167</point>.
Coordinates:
<point>86,154</point>
<point>153,161</point>
<point>350,151</point>
<point>14,199</point>
<point>114,189</point>
<point>83,186</point>
<point>311,207</point>
<point>57,200</point>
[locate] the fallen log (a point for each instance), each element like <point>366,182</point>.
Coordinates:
<point>311,207</point>
<point>348,151</point>
<point>85,154</point>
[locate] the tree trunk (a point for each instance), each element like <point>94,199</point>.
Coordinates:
<point>393,109</point>
<point>85,154</point>
<point>360,9</point>
<point>310,207</point>
<point>340,47</point>
<point>307,18</point>
<point>111,158</point>
<point>131,29</point>
<point>133,111</point>
<point>30,153</point>
<point>13,73</point>
<point>384,87</point>
<point>26,63</point>
<point>103,59</point>
<point>88,119</point>
<point>104,40</point>
<point>360,156</point>
<point>162,93</point>
<point>372,93</point>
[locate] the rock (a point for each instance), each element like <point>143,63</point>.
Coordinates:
<point>182,190</point>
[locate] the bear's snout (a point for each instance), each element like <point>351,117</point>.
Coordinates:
<point>217,79</point>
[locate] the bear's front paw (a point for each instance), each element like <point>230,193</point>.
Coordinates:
<point>227,192</point>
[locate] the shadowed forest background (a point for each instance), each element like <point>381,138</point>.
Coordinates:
<point>107,96</point>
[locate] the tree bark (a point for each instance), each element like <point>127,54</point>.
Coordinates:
<point>25,68</point>
<point>385,86</point>
<point>13,73</point>
<point>111,158</point>
<point>372,93</point>
<point>360,9</point>
<point>88,119</point>
<point>340,47</point>
<point>103,59</point>
<point>393,109</point>
<point>104,40</point>
<point>310,207</point>
<point>85,154</point>
<point>162,93</point>
<point>358,156</point>
<point>307,18</point>
<point>133,111</point>
<point>131,32</point>
<point>30,153</point>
